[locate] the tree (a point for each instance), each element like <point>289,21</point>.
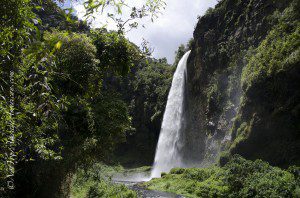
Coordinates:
<point>92,121</point>
<point>49,81</point>
<point>119,8</point>
<point>28,108</point>
<point>179,54</point>
<point>146,93</point>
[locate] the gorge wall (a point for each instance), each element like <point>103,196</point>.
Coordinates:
<point>243,82</point>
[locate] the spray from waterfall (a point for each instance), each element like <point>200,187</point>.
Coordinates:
<point>168,152</point>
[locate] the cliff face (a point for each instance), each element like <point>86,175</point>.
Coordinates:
<point>244,80</point>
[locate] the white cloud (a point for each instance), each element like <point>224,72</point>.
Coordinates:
<point>174,27</point>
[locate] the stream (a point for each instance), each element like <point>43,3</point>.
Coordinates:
<point>132,181</point>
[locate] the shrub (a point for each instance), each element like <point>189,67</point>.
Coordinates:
<point>224,158</point>
<point>177,170</point>
<point>277,53</point>
<point>163,174</point>
<point>238,178</point>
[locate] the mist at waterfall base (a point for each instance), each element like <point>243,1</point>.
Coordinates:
<point>181,143</point>
<point>171,145</point>
<point>177,145</point>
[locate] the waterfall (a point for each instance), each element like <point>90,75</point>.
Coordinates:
<point>170,143</point>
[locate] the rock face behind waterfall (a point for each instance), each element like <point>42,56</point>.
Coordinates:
<point>243,82</point>
<point>175,148</point>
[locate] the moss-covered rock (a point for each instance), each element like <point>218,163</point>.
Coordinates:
<point>244,79</point>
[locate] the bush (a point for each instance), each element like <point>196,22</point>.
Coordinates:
<point>76,61</point>
<point>238,178</point>
<point>91,183</point>
<point>224,158</point>
<point>177,170</point>
<point>198,174</point>
<point>258,178</point>
<point>278,52</point>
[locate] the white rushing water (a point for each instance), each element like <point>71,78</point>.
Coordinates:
<point>169,144</point>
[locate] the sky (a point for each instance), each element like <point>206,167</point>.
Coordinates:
<point>174,26</point>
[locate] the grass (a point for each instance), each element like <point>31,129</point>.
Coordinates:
<point>96,182</point>
<point>238,178</point>
<point>103,188</point>
<point>139,169</point>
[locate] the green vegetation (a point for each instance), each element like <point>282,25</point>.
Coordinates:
<point>243,75</point>
<point>270,96</point>
<point>56,113</point>
<point>95,189</point>
<point>146,93</point>
<point>141,169</point>
<point>182,49</point>
<point>72,97</point>
<point>95,182</point>
<point>237,178</point>
<point>279,52</point>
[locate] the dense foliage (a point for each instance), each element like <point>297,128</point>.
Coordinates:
<point>146,93</point>
<point>95,182</point>
<point>69,95</point>
<point>275,65</point>
<point>182,49</point>
<point>52,16</point>
<point>237,178</point>
<point>29,110</point>
<point>55,111</point>
<point>278,52</point>
<point>243,81</point>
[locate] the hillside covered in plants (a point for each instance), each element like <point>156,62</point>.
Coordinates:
<point>243,98</point>
<point>85,112</point>
<point>69,95</point>
<point>244,81</point>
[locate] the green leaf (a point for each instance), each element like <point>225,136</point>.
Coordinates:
<point>58,45</point>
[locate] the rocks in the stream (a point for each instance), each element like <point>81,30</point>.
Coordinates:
<point>145,193</point>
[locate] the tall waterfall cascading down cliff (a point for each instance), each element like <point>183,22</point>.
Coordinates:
<point>171,142</point>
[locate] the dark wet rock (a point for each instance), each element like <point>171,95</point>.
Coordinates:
<point>260,120</point>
